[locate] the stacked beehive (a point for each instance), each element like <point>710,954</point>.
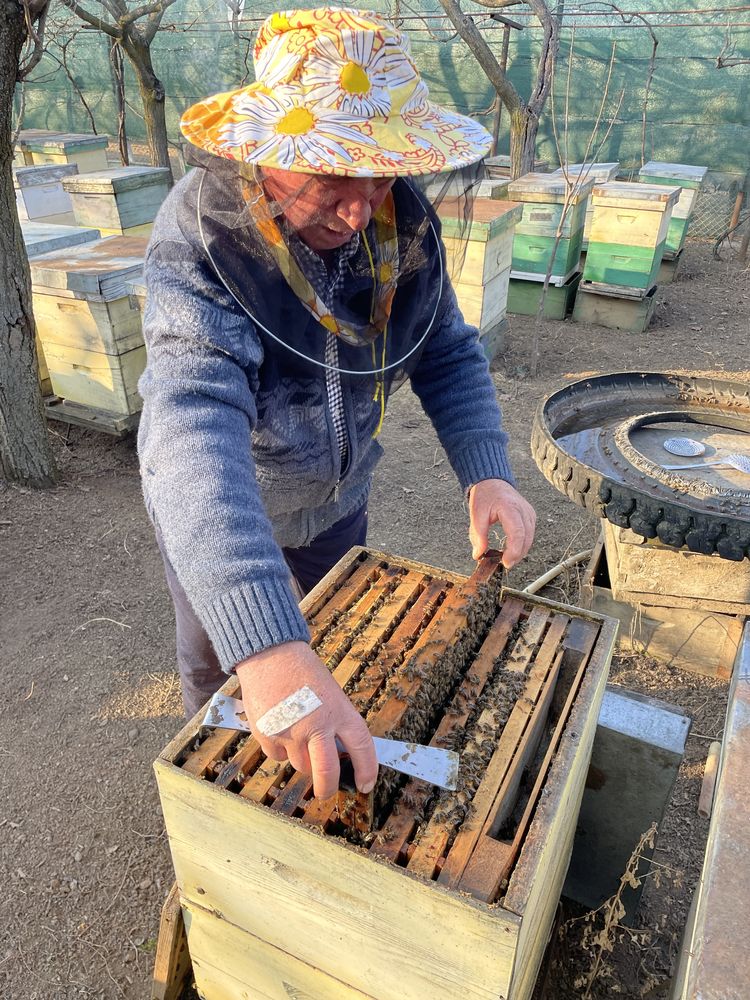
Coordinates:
<point>90,331</point>
<point>40,238</point>
<point>121,201</point>
<point>479,259</point>
<point>451,894</point>
<point>600,173</point>
<point>626,244</point>
<point>690,180</point>
<point>548,238</point>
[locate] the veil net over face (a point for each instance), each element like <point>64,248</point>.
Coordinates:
<point>345,274</point>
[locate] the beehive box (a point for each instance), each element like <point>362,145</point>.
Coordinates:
<point>548,208</point>
<point>44,237</point>
<point>628,234</point>
<point>122,201</point>
<point>479,257</point>
<point>499,166</point>
<point>600,173</point>
<point>613,312</point>
<point>524,297</point>
<point>690,179</point>
<point>89,152</point>
<point>451,895</point>
<point>89,330</point>
<point>40,193</point>
<point>22,156</point>
<point>658,610</point>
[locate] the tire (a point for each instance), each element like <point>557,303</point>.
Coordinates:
<point>628,493</point>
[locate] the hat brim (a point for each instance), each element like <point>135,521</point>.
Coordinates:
<point>252,126</point>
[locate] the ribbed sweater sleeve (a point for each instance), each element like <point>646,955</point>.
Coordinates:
<point>452,381</point>
<point>196,459</point>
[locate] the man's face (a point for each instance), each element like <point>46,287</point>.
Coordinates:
<point>325,212</point>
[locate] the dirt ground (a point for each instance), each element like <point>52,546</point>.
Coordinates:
<point>90,695</point>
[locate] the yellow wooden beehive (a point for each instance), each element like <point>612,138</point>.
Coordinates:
<point>89,329</point>
<point>88,152</point>
<point>444,898</point>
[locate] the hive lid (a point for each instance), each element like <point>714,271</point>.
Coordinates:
<point>27,135</point>
<point>657,197</point>
<point>689,176</point>
<point>551,186</point>
<point>500,165</point>
<point>599,172</point>
<point>64,142</point>
<point>117,180</point>
<point>489,217</point>
<point>44,237</point>
<point>47,173</point>
<point>94,270</point>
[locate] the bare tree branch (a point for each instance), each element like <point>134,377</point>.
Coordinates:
<point>466,28</point>
<point>92,19</point>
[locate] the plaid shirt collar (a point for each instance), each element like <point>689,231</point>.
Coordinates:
<point>326,280</point>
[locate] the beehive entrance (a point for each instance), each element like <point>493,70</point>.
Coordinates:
<point>452,664</point>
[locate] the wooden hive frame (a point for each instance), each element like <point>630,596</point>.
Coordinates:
<point>450,894</point>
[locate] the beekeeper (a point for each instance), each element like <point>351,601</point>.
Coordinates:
<point>295,277</point>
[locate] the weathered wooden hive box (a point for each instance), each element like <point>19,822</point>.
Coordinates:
<point>451,894</point>
<point>689,179</point>
<point>679,606</point>
<point>122,201</point>
<point>628,234</point>
<point>499,166</point>
<point>89,152</point>
<point>40,194</point>
<point>21,153</point>
<point>44,237</point>
<point>479,257</point>
<point>600,173</point>
<point>90,332</point>
<point>544,199</point>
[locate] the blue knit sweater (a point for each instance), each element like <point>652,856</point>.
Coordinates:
<point>237,445</point>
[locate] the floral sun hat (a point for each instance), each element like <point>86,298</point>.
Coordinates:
<point>336,92</point>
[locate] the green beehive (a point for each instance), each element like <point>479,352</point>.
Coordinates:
<point>690,180</point>
<point>548,206</point>
<point>628,234</point>
<point>478,258</point>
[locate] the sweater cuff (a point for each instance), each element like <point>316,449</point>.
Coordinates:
<point>251,618</point>
<point>484,460</point>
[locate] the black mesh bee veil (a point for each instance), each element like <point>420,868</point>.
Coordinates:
<point>380,291</point>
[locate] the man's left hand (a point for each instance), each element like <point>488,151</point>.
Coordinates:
<point>493,501</point>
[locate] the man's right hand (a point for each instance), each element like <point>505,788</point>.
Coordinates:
<point>268,677</point>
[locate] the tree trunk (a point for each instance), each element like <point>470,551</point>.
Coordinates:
<point>25,452</point>
<point>524,126</point>
<point>152,96</point>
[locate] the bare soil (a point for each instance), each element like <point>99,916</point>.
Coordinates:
<point>90,694</point>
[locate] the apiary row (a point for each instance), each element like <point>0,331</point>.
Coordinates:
<point>448,893</point>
